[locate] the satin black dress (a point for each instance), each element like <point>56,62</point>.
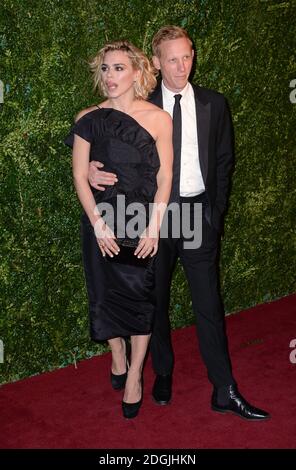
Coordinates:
<point>121,295</point>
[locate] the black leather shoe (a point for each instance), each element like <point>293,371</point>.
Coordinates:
<point>237,405</point>
<point>162,389</point>
<point>118,380</point>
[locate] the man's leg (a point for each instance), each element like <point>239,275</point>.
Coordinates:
<point>202,272</point>
<point>200,266</point>
<point>160,345</point>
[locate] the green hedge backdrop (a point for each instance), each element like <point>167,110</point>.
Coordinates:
<point>245,49</point>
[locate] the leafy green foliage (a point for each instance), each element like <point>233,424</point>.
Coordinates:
<point>245,49</point>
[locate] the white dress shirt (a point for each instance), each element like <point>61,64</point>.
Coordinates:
<point>191,181</point>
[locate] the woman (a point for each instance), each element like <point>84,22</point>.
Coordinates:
<point>133,138</point>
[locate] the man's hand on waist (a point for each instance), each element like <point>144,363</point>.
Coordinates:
<point>98,178</point>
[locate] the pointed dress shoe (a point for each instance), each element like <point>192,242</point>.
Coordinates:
<point>162,389</point>
<point>236,404</point>
<point>118,380</point>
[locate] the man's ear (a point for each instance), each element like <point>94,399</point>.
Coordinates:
<point>156,62</point>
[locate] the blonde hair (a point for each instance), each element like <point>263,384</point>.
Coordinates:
<point>147,79</point>
<point>167,33</point>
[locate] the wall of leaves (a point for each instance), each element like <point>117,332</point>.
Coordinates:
<point>245,49</point>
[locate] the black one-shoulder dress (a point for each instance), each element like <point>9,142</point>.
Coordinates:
<point>121,295</point>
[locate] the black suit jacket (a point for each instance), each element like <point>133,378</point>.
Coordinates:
<point>215,146</point>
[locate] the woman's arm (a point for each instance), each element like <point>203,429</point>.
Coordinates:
<point>80,158</point>
<point>164,144</point>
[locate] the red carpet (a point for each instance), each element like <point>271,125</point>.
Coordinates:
<point>76,408</point>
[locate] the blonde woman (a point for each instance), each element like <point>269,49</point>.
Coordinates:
<point>133,138</point>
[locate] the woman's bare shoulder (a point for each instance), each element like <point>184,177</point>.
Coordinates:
<point>159,113</point>
<point>164,115</point>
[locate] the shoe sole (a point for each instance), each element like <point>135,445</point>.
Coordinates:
<point>237,414</point>
<point>130,417</point>
<point>118,389</point>
<point>161,402</point>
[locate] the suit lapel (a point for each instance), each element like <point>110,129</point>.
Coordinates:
<point>203,120</point>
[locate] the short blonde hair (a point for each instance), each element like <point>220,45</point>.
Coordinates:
<point>167,33</point>
<point>147,80</point>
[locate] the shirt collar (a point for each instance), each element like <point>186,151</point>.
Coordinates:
<point>168,94</point>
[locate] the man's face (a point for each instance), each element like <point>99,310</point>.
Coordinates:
<point>175,63</point>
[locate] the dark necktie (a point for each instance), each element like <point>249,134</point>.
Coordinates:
<point>177,142</point>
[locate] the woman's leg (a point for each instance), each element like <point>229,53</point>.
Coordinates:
<point>133,386</point>
<point>118,346</point>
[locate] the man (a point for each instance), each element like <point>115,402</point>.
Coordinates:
<point>203,159</point>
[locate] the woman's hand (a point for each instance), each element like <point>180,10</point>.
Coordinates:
<point>148,244</point>
<point>106,239</point>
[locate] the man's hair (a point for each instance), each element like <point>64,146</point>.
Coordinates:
<point>147,81</point>
<point>167,33</point>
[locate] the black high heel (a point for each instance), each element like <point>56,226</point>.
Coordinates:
<point>118,380</point>
<point>131,410</point>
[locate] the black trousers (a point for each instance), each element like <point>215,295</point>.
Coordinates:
<point>201,269</point>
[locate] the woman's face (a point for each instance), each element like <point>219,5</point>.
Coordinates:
<point>118,74</point>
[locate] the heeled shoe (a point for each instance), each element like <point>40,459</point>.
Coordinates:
<point>118,380</point>
<point>131,410</point>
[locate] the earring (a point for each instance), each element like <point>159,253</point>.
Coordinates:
<point>136,87</point>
